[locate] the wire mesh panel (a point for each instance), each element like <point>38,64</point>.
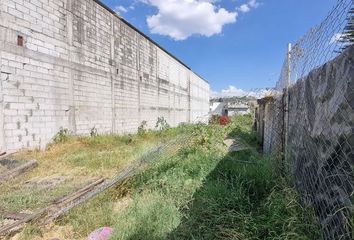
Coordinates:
<point>273,143</point>
<point>319,45</point>
<point>320,148</point>
<point>311,127</point>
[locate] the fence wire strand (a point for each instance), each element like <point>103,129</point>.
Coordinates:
<point>307,126</point>
<point>319,45</point>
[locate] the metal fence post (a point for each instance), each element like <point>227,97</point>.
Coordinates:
<point>286,104</point>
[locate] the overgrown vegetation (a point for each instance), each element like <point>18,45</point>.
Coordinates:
<point>142,129</point>
<point>202,192</point>
<point>162,124</point>
<point>77,160</point>
<point>205,193</point>
<point>62,135</point>
<point>93,132</point>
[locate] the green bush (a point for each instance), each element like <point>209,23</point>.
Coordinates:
<point>93,132</point>
<point>162,124</point>
<point>61,136</point>
<point>214,119</point>
<point>142,128</point>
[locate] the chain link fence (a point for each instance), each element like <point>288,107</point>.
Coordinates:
<point>319,45</point>
<point>307,125</point>
<point>166,149</point>
<point>163,151</point>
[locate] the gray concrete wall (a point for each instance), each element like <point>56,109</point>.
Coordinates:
<point>318,141</point>
<point>259,120</point>
<point>321,142</point>
<point>83,67</point>
<point>273,127</point>
<point>269,122</point>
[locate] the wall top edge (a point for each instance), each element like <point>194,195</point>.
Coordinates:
<point>147,37</point>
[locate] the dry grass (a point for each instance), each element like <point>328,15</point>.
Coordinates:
<point>2,169</point>
<point>86,156</point>
<point>77,161</point>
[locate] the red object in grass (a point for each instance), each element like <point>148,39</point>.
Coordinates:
<point>224,120</point>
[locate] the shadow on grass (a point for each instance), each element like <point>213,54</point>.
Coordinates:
<point>241,200</point>
<point>225,202</point>
<point>197,195</point>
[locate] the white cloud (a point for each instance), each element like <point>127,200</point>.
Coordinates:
<point>233,91</point>
<point>337,38</point>
<point>120,9</point>
<point>253,3</point>
<point>180,19</point>
<point>244,8</point>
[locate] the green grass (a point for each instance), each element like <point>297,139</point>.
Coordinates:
<point>202,192</point>
<point>20,198</point>
<point>240,201</point>
<point>205,193</point>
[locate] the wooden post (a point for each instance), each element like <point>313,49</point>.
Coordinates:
<point>18,171</point>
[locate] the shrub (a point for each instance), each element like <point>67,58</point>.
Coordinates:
<point>62,136</point>
<point>142,128</point>
<point>214,119</point>
<point>162,124</point>
<point>224,120</point>
<point>93,132</point>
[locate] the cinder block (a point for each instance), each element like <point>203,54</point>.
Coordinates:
<point>22,9</point>
<point>41,85</point>
<point>15,12</point>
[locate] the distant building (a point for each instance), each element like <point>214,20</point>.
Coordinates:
<point>219,108</point>
<point>223,108</point>
<point>238,108</point>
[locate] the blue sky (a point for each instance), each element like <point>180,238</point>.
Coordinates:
<point>239,43</point>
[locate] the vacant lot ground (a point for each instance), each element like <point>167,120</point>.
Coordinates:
<point>202,191</point>
<point>67,166</point>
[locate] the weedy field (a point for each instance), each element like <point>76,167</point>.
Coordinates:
<point>69,165</point>
<point>203,191</point>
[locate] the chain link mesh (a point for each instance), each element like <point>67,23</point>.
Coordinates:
<point>319,45</point>
<point>165,150</point>
<point>307,125</point>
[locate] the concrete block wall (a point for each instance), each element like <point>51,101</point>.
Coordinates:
<point>273,143</point>
<point>81,67</point>
<point>317,139</point>
<point>199,94</point>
